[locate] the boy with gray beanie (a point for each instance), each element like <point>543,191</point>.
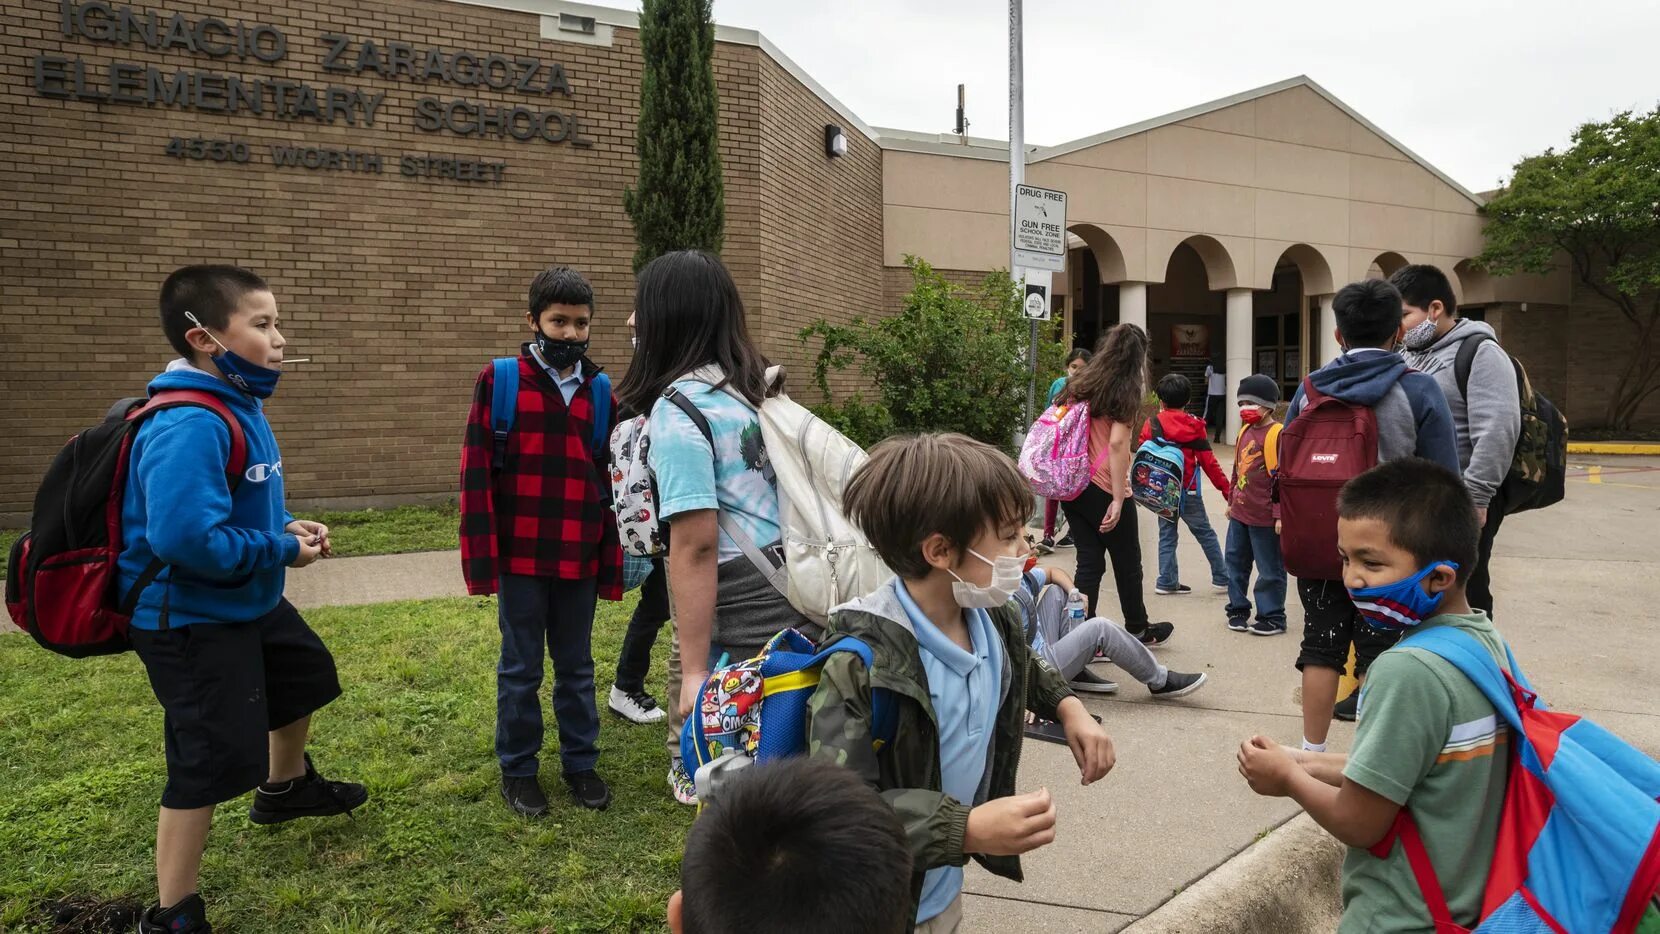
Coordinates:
<point>1253,516</point>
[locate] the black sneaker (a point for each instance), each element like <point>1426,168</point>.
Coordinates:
<point>589,789</point>
<point>1156,634</point>
<point>523,793</point>
<point>1348,708</point>
<point>1092,683</point>
<point>187,917</point>
<point>311,795</point>
<point>1261,628</point>
<point>1179,590</point>
<point>1066,542</point>
<point>1239,623</point>
<point>1179,684</point>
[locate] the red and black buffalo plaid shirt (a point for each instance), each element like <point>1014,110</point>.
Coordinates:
<point>544,513</point>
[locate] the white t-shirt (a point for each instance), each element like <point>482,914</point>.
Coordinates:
<point>1216,383</point>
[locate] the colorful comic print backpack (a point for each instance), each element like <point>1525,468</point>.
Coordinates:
<point>1157,472</point>
<point>756,709</point>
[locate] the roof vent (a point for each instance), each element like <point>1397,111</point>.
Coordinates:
<point>569,22</point>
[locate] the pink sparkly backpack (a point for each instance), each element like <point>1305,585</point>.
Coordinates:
<point>1055,458</point>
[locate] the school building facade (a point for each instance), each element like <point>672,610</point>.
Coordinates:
<point>400,169</point>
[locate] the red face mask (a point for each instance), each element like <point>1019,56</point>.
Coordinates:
<point>1251,416</point>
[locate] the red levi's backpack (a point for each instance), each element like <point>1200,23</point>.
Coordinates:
<point>1329,443</point>
<point>63,583</point>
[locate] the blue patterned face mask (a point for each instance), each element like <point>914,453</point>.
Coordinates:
<point>253,379</point>
<point>1401,605</point>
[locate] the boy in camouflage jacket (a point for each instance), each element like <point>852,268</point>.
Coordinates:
<point>950,650</point>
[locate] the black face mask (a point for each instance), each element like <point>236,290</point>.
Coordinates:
<point>560,354</point>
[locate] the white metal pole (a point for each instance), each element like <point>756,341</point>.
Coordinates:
<point>1017,175</point>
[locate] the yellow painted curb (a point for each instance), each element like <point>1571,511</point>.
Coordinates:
<point>1614,447</point>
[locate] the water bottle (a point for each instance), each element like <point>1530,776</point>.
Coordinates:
<point>1076,608</point>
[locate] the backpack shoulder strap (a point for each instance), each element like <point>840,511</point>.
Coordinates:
<point>1463,652</point>
<point>884,713</point>
<point>504,402</point>
<point>601,388</point>
<point>699,420</point>
<point>1271,448</point>
<point>1466,360</point>
<point>175,398</point>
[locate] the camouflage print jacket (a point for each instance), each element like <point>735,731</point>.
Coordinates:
<point>907,771</point>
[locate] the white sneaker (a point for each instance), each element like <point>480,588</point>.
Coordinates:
<point>639,708</point>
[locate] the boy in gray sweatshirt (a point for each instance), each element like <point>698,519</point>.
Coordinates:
<point>1487,419</point>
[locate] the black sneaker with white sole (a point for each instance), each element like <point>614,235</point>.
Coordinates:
<point>523,793</point>
<point>189,916</point>
<point>1066,542</point>
<point>1177,590</point>
<point>1179,684</point>
<point>1348,708</point>
<point>1156,634</point>
<point>636,707</point>
<point>589,789</point>
<point>1092,683</point>
<point>1239,623</point>
<point>1261,628</point>
<point>310,795</point>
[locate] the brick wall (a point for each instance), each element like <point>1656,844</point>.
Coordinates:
<point>1574,354</point>
<point>1538,338</point>
<point>398,288</point>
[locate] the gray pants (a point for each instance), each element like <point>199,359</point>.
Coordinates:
<point>1070,646</point>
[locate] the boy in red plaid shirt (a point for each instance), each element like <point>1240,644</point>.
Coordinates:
<point>537,530</point>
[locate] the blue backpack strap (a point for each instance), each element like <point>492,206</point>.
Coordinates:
<point>884,713</point>
<point>504,403</point>
<point>1470,657</point>
<point>601,387</point>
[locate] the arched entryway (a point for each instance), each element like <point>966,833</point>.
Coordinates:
<point>1094,267</point>
<point>1286,318</point>
<point>1187,312</point>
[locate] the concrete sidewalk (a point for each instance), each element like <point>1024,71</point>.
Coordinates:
<point>1577,585</point>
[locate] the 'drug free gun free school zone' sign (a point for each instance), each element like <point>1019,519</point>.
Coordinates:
<point>236,50</point>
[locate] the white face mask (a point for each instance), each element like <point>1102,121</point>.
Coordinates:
<point>1006,573</point>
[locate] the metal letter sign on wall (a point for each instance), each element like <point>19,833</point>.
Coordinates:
<point>1040,228</point>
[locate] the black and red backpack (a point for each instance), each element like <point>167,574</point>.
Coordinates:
<point>63,585</point>
<point>1329,443</point>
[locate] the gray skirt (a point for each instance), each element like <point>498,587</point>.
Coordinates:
<point>749,611</point>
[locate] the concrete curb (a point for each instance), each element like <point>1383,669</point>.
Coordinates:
<point>1614,447</point>
<point>1288,882</point>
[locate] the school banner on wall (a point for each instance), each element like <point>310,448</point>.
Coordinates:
<point>1190,340</point>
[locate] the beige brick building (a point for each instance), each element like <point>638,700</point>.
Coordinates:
<point>400,169</point>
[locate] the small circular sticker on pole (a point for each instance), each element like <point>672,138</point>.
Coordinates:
<point>1035,306</point>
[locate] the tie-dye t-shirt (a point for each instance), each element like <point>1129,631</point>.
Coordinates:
<point>691,477</point>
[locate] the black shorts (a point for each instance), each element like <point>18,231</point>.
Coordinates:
<point>1331,623</point>
<point>223,687</point>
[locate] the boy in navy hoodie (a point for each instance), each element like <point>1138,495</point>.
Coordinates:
<point>1413,421</point>
<point>236,669</point>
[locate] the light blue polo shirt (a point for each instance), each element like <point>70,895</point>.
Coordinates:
<point>965,689</point>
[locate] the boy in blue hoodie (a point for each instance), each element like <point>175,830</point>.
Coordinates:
<point>1413,421</point>
<point>236,670</point>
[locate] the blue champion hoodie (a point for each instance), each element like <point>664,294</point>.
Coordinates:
<point>226,553</point>
<point>1412,413</point>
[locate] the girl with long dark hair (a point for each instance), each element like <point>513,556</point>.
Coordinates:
<point>713,485</point>
<point>1103,517</point>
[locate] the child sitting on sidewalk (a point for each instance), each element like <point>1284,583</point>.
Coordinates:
<point>1071,645</point>
<point>1188,432</point>
<point>1253,516</point>
<point>1426,735</point>
<point>946,512</point>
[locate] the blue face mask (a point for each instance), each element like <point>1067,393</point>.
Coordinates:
<point>1401,605</point>
<point>253,379</point>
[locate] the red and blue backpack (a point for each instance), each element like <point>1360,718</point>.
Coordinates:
<point>1578,847</point>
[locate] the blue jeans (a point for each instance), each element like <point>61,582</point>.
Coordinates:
<point>1193,513</point>
<point>537,614</point>
<point>1258,543</point>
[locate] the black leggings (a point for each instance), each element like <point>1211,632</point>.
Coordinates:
<point>1123,543</point>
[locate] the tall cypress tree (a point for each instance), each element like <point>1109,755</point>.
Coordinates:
<point>680,200</point>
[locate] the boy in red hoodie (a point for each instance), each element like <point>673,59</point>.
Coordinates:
<point>1188,431</point>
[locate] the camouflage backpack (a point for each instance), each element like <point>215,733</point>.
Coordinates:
<point>1539,468</point>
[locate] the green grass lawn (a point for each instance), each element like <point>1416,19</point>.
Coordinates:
<point>360,531</point>
<point>433,850</point>
<point>391,531</point>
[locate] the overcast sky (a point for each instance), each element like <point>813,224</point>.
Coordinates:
<point>1470,85</point>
